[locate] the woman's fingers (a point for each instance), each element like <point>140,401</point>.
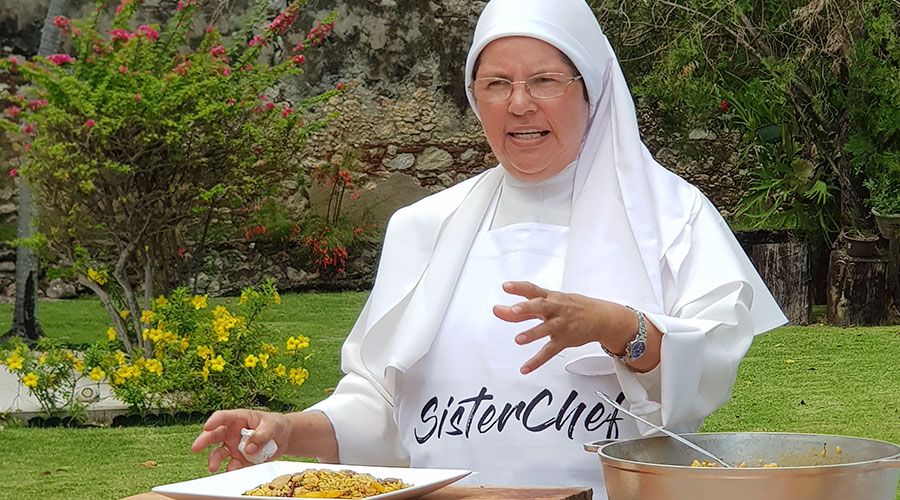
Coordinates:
<point>216,457</point>
<point>532,334</point>
<point>549,350</point>
<point>524,289</point>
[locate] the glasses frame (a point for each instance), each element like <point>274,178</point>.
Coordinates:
<point>513,84</point>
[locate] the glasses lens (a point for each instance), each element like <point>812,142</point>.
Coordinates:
<point>548,85</point>
<point>491,89</point>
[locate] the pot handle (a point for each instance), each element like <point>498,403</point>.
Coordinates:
<point>595,446</point>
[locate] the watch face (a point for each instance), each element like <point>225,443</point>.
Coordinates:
<point>637,349</point>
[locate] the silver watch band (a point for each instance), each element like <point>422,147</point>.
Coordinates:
<point>637,346</point>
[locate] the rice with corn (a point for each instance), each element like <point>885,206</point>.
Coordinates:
<point>317,483</point>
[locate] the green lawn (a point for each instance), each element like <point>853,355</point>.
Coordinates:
<point>841,381</point>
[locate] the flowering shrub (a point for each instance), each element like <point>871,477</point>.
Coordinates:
<point>140,146</point>
<point>50,373</point>
<point>202,358</point>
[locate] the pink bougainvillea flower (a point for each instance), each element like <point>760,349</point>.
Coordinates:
<point>89,123</point>
<point>269,106</point>
<point>286,112</point>
<point>121,35</point>
<point>28,129</point>
<point>230,102</point>
<point>37,104</point>
<point>148,32</point>
<point>217,51</point>
<point>13,172</point>
<point>724,105</point>
<point>226,70</point>
<point>12,111</point>
<point>60,59</point>
<point>123,70</point>
<point>183,4</point>
<point>13,60</point>
<point>340,86</point>
<point>60,22</point>
<point>300,47</point>
<point>298,59</point>
<point>122,5</point>
<point>210,29</point>
<point>258,40</point>
<point>183,68</point>
<point>138,97</point>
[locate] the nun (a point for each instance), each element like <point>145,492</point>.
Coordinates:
<point>502,304</point>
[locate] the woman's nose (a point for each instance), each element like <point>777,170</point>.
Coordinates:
<point>520,101</point>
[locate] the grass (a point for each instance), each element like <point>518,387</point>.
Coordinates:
<point>810,379</point>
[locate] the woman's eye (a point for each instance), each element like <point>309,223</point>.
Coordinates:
<point>496,84</point>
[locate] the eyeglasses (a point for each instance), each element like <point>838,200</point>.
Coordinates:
<point>543,86</point>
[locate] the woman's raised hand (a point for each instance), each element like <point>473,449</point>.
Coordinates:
<point>567,319</point>
<point>224,428</point>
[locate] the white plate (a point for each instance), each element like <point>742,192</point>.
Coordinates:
<point>233,484</point>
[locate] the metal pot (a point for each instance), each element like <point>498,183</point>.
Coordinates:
<point>810,467</point>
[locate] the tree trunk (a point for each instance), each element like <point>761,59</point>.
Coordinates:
<point>857,290</point>
<point>25,322</point>
<point>784,267</point>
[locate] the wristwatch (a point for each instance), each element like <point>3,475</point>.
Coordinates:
<point>635,348</point>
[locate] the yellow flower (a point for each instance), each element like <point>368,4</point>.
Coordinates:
<point>244,297</point>
<point>124,313</point>
<point>147,317</point>
<point>42,358</point>
<point>160,301</point>
<point>264,359</point>
<point>98,277</point>
<point>97,374</point>
<point>217,364</point>
<point>30,380</point>
<point>79,365</point>
<point>154,366</point>
<point>269,349</point>
<point>199,301</point>
<point>280,370</point>
<point>205,373</point>
<point>222,323</point>
<point>14,361</point>
<point>120,357</point>
<point>276,298</point>
<point>111,334</point>
<point>250,361</point>
<point>204,352</point>
<point>184,344</point>
<point>69,356</point>
<point>298,376</point>
<point>297,343</point>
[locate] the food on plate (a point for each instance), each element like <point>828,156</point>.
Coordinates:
<point>318,483</point>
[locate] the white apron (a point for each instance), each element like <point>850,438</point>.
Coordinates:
<point>465,403</point>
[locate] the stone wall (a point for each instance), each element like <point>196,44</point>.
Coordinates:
<point>405,111</point>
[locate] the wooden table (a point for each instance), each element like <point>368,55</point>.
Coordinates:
<point>472,493</point>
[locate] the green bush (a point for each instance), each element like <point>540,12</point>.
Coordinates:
<point>139,145</point>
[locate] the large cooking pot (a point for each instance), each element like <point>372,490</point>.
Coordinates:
<point>810,467</point>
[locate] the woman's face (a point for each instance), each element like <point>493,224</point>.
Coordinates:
<point>534,139</point>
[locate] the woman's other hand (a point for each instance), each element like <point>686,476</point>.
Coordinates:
<point>307,434</point>
<point>572,320</point>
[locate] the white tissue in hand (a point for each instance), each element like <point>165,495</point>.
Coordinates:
<point>263,454</point>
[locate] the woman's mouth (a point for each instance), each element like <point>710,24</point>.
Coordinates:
<point>530,135</point>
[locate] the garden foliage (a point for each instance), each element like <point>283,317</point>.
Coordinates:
<point>812,85</point>
<point>141,143</point>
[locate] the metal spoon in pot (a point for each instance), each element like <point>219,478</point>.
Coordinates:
<point>667,432</point>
